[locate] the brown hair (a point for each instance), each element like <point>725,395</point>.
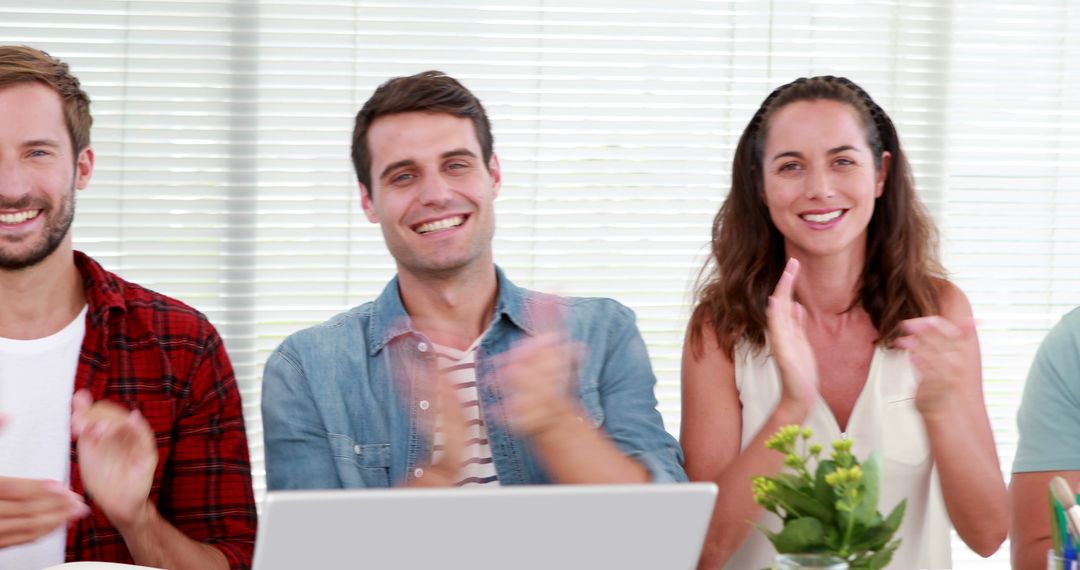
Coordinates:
<point>19,64</point>
<point>430,91</point>
<point>900,277</point>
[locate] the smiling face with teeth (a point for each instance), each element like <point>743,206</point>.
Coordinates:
<point>820,178</point>
<point>431,193</point>
<point>39,173</point>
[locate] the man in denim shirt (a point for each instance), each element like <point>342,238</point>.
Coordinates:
<point>454,375</point>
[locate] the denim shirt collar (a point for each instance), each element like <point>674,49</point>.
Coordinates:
<point>389,319</point>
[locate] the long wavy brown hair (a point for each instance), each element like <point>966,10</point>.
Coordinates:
<point>900,277</point>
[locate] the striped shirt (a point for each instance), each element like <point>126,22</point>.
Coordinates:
<point>459,367</point>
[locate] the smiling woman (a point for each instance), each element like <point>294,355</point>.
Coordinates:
<point>860,331</point>
<point>821,179</point>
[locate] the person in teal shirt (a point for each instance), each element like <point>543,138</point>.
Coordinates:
<point>1049,425</point>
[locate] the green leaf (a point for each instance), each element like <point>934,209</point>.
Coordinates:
<point>800,535</point>
<point>823,493</point>
<point>878,535</point>
<point>866,510</point>
<point>833,538</point>
<point>881,558</point>
<point>792,481</point>
<point>802,503</point>
<point>892,522</point>
<point>872,539</point>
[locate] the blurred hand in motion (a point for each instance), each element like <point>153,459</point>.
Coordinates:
<point>790,346</point>
<point>32,508</point>
<point>444,469</point>
<point>539,373</point>
<point>117,457</point>
<point>935,347</point>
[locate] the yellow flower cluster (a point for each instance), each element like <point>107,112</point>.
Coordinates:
<point>785,438</point>
<point>844,476</point>
<point>842,453</point>
<point>764,492</point>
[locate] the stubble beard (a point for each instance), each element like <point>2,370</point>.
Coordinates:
<point>442,270</point>
<point>56,229</point>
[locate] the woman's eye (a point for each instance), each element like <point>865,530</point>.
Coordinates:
<point>403,177</point>
<point>790,166</point>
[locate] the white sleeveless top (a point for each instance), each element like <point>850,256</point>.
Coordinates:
<point>884,418</point>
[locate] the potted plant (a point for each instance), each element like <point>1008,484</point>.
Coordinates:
<point>827,509</point>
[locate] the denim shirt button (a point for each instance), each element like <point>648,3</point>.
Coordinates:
<point>418,473</point>
<point>356,449</point>
<point>422,346</point>
<point>424,405</point>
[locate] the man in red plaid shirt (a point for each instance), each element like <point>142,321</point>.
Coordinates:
<point>123,438</point>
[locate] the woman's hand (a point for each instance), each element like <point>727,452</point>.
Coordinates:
<point>935,347</point>
<point>790,346</point>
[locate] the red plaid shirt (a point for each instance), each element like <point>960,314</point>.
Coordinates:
<point>153,353</point>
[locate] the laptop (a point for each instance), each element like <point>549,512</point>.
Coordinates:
<point>646,526</point>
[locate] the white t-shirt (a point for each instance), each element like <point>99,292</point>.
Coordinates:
<point>37,378</point>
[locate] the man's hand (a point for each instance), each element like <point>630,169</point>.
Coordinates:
<point>444,471</point>
<point>32,508</point>
<point>538,375</point>
<point>117,457</point>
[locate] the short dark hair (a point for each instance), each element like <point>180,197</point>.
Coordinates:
<point>430,91</point>
<point>23,64</point>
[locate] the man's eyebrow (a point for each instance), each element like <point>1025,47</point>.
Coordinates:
<point>42,142</point>
<point>396,165</point>
<point>458,152</point>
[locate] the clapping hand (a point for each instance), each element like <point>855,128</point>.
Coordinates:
<point>444,471</point>
<point>32,508</point>
<point>539,373</point>
<point>790,346</point>
<point>117,457</point>
<point>935,347</point>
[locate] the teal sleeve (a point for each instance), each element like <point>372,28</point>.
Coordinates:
<point>1049,417</point>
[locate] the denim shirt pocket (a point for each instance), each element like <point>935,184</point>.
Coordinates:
<point>361,464</point>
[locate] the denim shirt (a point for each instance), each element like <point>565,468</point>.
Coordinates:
<point>349,403</point>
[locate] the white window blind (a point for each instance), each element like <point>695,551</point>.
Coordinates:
<point>222,133</point>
